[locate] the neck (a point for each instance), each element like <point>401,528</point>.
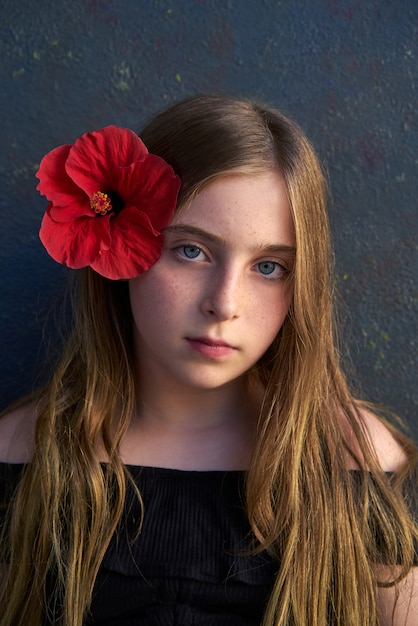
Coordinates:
<point>193,429</point>
<point>190,408</point>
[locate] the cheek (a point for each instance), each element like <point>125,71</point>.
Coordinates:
<point>155,298</point>
<point>271,315</point>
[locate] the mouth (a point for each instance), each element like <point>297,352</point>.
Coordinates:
<point>211,348</point>
<point>211,342</point>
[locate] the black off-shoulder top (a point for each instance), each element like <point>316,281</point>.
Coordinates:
<point>191,563</point>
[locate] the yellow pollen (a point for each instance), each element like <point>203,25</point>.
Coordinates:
<point>100,203</point>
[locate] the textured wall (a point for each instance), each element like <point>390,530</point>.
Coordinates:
<point>345,70</point>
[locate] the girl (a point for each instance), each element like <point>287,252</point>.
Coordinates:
<point>197,457</point>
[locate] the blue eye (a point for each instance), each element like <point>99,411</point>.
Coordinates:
<point>267,267</point>
<point>191,252</point>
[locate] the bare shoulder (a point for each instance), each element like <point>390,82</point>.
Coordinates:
<point>17,434</point>
<point>388,450</point>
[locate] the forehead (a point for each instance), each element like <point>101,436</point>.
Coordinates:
<point>251,208</point>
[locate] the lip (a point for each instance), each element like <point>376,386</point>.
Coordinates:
<point>211,348</point>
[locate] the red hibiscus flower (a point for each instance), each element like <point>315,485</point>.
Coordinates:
<point>109,201</point>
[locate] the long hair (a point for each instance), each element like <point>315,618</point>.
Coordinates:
<point>303,503</point>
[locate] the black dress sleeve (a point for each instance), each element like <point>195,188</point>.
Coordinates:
<point>10,475</point>
<point>410,493</point>
<point>378,506</point>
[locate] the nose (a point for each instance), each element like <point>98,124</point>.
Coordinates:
<point>224,295</point>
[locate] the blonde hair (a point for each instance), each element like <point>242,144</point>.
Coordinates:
<point>302,502</point>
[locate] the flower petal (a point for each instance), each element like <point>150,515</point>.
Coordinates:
<point>76,244</point>
<point>57,186</point>
<point>152,187</point>
<point>94,161</point>
<point>71,211</point>
<point>134,248</point>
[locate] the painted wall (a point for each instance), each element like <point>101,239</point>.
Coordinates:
<point>346,70</point>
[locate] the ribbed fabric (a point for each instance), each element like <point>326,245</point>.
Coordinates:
<point>190,565</point>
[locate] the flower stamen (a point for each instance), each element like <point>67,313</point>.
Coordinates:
<point>101,203</point>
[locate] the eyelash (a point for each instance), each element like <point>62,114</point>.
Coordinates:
<point>180,251</point>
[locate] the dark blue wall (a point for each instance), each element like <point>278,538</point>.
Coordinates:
<point>346,70</point>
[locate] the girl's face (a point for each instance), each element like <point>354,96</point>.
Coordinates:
<point>213,303</point>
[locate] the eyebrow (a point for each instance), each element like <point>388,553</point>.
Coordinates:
<point>184,229</point>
